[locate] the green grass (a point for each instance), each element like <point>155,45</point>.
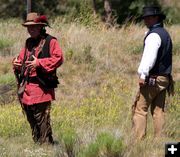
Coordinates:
<point>12,122</point>
<point>104,145</point>
<point>5,45</point>
<point>8,78</point>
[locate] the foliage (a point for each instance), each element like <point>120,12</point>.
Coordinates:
<point>69,137</point>
<point>17,8</point>
<point>105,145</point>
<point>85,14</point>
<point>173,16</point>
<point>176,48</point>
<point>12,8</point>
<point>82,10</point>
<point>5,45</point>
<point>136,6</point>
<point>81,57</point>
<point>12,122</point>
<point>7,79</point>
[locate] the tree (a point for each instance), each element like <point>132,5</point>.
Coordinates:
<point>28,6</point>
<point>94,7</point>
<point>108,13</point>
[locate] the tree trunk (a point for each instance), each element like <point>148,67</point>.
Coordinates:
<point>94,7</point>
<point>108,13</point>
<point>28,6</point>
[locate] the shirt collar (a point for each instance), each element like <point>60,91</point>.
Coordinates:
<point>156,26</point>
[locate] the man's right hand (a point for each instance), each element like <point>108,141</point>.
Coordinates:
<point>141,82</point>
<point>16,63</point>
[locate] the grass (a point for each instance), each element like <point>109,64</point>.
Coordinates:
<point>92,112</point>
<point>104,145</point>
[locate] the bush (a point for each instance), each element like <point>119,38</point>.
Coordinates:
<point>106,146</point>
<point>84,56</point>
<point>7,79</point>
<point>176,48</point>
<point>82,10</point>
<point>5,45</point>
<point>69,138</point>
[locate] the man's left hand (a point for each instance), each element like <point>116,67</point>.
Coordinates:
<point>33,63</point>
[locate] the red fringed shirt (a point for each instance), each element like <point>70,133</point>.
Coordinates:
<point>33,93</point>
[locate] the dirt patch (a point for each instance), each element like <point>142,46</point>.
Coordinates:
<point>7,94</point>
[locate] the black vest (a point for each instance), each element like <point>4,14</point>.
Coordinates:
<point>163,64</point>
<point>30,43</point>
<point>50,79</point>
<point>45,50</point>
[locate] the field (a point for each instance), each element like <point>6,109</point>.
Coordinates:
<point>91,116</point>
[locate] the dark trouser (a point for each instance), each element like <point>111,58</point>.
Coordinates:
<point>38,116</point>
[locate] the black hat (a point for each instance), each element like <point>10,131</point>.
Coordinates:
<point>153,11</point>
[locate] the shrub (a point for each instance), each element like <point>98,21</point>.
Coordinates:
<point>69,137</point>
<point>84,56</point>
<point>176,48</point>
<point>5,45</point>
<point>105,145</point>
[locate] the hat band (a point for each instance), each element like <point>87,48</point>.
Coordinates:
<point>30,21</point>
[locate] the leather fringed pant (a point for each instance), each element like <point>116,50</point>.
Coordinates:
<point>38,116</point>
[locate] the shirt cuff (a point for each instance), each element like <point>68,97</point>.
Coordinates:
<point>142,76</point>
<point>37,63</point>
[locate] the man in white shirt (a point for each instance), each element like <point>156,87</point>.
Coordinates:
<point>154,73</point>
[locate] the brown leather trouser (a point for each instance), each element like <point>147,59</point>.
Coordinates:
<point>153,96</point>
<point>38,116</point>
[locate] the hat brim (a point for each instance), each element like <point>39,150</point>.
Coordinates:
<point>33,23</point>
<point>162,16</point>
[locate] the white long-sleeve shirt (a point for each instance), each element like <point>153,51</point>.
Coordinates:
<point>151,47</point>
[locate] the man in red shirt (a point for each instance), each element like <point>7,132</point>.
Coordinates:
<point>35,68</point>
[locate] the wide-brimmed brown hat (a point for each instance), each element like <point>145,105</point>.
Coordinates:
<point>35,19</point>
<point>153,11</point>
